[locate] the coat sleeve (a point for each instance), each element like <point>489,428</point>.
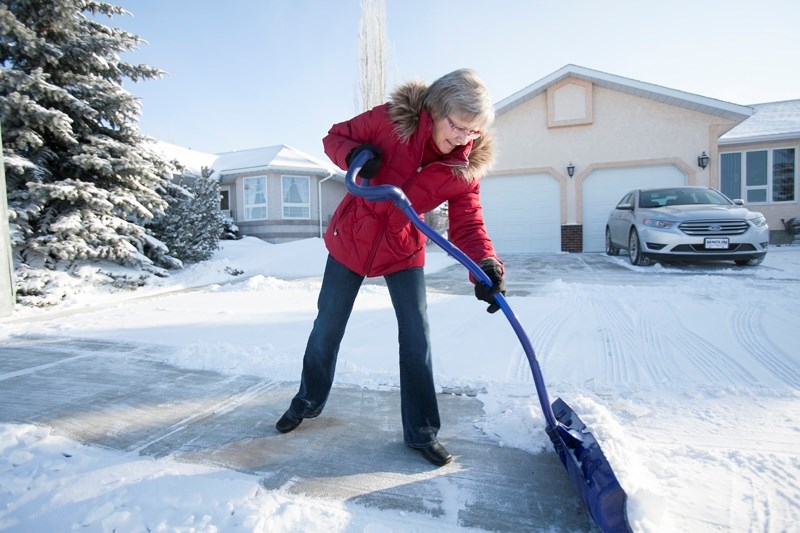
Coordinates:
<point>344,136</point>
<point>467,230</point>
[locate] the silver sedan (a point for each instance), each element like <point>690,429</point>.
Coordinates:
<point>686,224</point>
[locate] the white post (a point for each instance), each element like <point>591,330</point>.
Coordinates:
<point>372,54</point>
<point>7,296</point>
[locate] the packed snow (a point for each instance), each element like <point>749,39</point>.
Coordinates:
<point>690,380</point>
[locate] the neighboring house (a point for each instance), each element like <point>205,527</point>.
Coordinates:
<point>572,144</point>
<point>275,193</point>
<point>758,163</point>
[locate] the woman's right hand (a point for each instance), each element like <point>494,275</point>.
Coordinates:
<point>370,168</point>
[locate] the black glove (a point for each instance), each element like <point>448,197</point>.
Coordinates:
<point>494,270</point>
<point>371,166</point>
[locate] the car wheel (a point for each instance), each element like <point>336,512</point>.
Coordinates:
<point>610,248</point>
<point>635,250</point>
<point>750,262</point>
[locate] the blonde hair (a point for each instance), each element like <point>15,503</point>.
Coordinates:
<point>461,93</point>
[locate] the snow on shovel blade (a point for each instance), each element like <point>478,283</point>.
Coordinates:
<point>589,469</point>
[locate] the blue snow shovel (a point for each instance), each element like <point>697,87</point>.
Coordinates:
<point>576,446</point>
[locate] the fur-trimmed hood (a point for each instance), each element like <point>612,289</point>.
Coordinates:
<point>405,107</point>
<point>377,239</point>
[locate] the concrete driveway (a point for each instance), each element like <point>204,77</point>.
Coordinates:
<point>119,396</point>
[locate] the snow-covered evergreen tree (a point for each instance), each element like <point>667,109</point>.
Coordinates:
<point>192,225</point>
<point>438,219</point>
<point>81,184</point>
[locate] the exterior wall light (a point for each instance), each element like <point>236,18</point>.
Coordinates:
<point>702,160</point>
<point>571,169</point>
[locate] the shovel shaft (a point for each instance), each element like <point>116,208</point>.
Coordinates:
<point>380,193</point>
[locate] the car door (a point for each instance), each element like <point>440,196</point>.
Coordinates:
<point>619,220</point>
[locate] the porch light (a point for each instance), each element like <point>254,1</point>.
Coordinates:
<point>571,169</point>
<point>702,160</point>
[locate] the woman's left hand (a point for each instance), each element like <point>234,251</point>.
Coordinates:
<point>494,270</point>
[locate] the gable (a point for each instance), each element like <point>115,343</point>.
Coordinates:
<point>569,103</point>
<point>573,120</point>
<point>641,89</point>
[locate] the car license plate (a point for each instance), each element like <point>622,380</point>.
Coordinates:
<point>717,244</point>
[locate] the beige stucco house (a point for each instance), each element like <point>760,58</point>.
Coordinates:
<point>573,143</point>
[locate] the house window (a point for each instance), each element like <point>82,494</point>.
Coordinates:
<point>755,176</point>
<point>759,176</point>
<point>783,173</point>
<point>224,200</point>
<point>296,197</point>
<point>731,175</point>
<point>255,198</point>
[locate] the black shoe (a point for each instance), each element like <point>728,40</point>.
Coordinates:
<point>436,454</point>
<point>288,422</point>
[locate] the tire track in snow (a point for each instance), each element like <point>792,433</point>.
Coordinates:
<point>654,346</point>
<point>542,338</point>
<point>661,348</point>
<point>713,363</point>
<point>750,331</point>
<point>616,329</point>
<point>641,349</point>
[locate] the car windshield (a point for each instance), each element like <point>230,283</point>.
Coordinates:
<point>678,196</point>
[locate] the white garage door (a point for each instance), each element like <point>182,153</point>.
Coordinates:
<point>604,188</point>
<point>522,212</point>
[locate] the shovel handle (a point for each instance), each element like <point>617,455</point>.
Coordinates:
<point>381,193</point>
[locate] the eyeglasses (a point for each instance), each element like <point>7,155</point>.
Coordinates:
<point>463,132</point>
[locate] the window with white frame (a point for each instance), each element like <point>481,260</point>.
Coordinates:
<point>255,198</point>
<point>296,197</point>
<point>225,201</point>
<point>760,176</point>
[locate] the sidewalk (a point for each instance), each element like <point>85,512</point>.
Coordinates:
<point>121,397</point>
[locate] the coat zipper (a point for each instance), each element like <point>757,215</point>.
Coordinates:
<point>406,185</point>
<point>376,244</point>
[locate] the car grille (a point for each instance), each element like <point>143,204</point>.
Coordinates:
<point>714,227</point>
<point>700,249</point>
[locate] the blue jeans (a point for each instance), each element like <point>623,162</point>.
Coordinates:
<point>418,404</point>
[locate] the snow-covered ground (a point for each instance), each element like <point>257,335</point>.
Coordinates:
<point>689,379</point>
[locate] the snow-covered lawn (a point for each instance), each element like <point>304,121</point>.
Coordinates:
<point>689,379</point>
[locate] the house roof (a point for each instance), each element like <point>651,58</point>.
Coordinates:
<point>773,121</point>
<point>192,160</point>
<point>665,95</point>
<point>279,158</point>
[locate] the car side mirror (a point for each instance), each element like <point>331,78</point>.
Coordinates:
<point>738,201</point>
<point>625,207</point>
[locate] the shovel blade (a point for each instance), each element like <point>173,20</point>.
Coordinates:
<point>589,469</point>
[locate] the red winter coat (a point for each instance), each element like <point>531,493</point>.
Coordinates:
<point>376,238</point>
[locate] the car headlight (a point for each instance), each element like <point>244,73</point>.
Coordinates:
<point>657,223</point>
<point>758,220</point>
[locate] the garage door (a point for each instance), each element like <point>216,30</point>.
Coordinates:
<point>522,212</point>
<point>604,188</point>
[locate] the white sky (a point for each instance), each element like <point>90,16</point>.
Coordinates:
<point>258,73</point>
